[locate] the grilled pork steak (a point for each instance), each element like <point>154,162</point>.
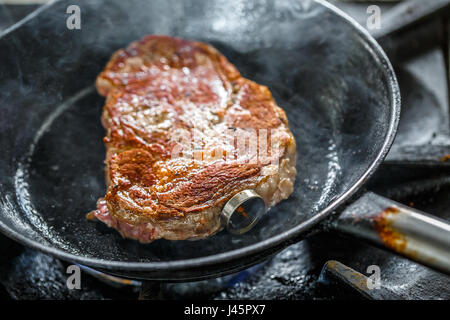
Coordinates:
<point>174,113</point>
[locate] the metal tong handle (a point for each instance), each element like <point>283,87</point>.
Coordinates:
<point>409,232</point>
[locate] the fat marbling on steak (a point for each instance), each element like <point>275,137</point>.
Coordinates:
<point>167,96</point>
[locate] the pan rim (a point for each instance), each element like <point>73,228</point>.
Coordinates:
<point>282,240</point>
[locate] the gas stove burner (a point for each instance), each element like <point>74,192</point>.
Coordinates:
<point>110,279</point>
<point>157,290</point>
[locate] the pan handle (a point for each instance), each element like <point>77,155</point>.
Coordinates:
<point>406,231</point>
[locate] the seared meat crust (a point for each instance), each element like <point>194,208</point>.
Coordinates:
<point>171,107</point>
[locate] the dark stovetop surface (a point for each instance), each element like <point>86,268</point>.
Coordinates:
<point>297,272</point>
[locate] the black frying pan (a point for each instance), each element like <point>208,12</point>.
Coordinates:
<point>332,79</point>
